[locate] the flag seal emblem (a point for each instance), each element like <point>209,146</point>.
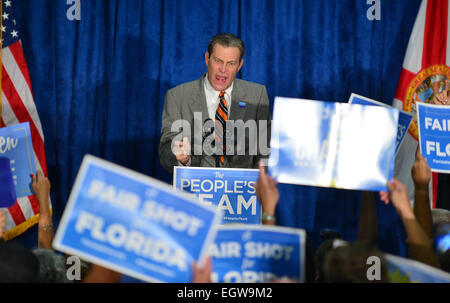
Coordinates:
<point>422,89</point>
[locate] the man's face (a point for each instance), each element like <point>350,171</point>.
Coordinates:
<point>223,65</point>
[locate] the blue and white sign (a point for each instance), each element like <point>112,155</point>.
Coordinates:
<point>434,135</point>
<point>16,145</point>
<point>134,224</point>
<point>332,144</point>
<point>404,117</point>
<point>403,270</point>
<point>231,190</point>
<point>8,195</point>
<point>258,253</point>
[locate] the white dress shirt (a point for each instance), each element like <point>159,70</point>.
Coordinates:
<point>212,98</point>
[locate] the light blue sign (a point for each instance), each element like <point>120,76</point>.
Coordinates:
<point>434,135</point>
<point>332,144</point>
<point>16,145</point>
<point>258,253</point>
<point>231,190</point>
<point>134,224</point>
<point>403,270</point>
<point>404,118</point>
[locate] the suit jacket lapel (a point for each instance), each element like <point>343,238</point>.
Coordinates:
<point>198,100</point>
<point>238,95</point>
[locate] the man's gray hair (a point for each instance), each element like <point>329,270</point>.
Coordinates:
<point>227,40</point>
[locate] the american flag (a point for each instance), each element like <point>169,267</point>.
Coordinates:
<point>17,106</point>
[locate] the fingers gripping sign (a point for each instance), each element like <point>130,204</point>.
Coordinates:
<point>441,98</point>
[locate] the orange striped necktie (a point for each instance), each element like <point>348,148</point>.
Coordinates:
<point>221,119</point>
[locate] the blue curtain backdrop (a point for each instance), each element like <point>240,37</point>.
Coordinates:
<point>99,83</point>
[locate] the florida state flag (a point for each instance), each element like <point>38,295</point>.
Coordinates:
<point>425,70</point>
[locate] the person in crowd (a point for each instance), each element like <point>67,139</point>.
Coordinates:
<point>421,175</point>
<point>348,264</point>
<point>328,240</point>
<point>419,245</point>
<point>18,264</point>
<point>268,195</point>
<point>220,98</point>
<point>41,188</point>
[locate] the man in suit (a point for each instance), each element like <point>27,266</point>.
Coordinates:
<point>217,120</point>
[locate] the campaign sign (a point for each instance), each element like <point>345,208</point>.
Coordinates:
<point>8,195</point>
<point>134,224</point>
<point>332,144</point>
<point>404,117</point>
<point>230,189</point>
<point>16,145</point>
<point>258,253</point>
<point>403,270</point>
<point>434,135</point>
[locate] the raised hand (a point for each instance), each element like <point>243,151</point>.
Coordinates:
<point>202,274</point>
<point>441,98</point>
<point>41,188</point>
<point>421,172</point>
<point>267,191</point>
<point>398,194</point>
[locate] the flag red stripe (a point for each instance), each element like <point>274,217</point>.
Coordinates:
<point>17,52</point>
<point>23,116</point>
<point>435,38</point>
<point>17,214</point>
<point>403,82</point>
<point>34,204</point>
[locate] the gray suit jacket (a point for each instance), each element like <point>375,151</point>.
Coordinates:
<point>185,112</point>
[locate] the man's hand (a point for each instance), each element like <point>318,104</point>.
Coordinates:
<point>182,150</point>
<point>421,172</point>
<point>202,275</point>
<point>398,194</point>
<point>441,98</point>
<point>2,222</point>
<point>267,191</point>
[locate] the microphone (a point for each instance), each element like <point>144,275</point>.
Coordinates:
<point>208,129</point>
<point>208,139</point>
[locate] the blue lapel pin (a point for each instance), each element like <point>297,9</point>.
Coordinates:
<point>242,104</point>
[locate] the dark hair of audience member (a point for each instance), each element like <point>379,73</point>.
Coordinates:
<point>17,264</point>
<point>348,264</point>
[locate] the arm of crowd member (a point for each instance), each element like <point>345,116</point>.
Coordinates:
<point>100,274</point>
<point>421,174</point>
<point>267,193</point>
<point>368,225</point>
<point>419,244</point>
<point>2,223</point>
<point>41,187</point>
<point>202,274</point>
